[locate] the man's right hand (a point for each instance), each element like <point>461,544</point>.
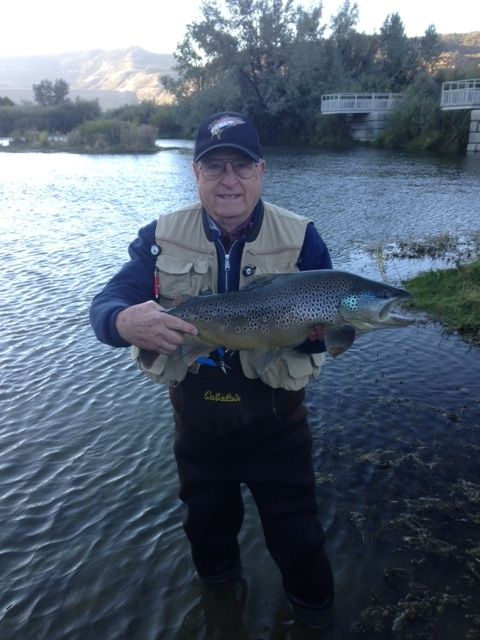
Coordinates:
<point>147,326</point>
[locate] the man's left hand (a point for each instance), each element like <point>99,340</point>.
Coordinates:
<point>317,333</point>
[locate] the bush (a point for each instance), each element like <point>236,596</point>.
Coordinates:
<point>107,136</point>
<point>418,124</point>
<point>59,119</point>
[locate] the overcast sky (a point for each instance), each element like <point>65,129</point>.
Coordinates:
<point>36,27</point>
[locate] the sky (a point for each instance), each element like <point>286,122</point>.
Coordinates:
<point>43,27</point>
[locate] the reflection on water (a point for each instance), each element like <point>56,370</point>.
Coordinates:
<point>91,542</point>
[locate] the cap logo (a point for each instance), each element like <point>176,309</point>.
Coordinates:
<point>217,127</point>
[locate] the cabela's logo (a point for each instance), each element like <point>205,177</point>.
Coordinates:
<point>216,396</point>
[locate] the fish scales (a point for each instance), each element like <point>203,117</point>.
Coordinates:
<point>279,311</point>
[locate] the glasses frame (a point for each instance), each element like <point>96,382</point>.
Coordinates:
<point>232,163</point>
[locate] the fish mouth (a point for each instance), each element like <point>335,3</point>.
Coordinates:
<point>391,314</point>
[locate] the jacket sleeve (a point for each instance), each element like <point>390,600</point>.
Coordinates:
<point>314,255</point>
<point>133,284</point>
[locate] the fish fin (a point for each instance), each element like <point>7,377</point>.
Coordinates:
<point>180,299</point>
<point>261,280</point>
<point>147,358</point>
<point>338,339</point>
<point>192,348</point>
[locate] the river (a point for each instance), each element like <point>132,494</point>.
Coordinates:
<point>91,538</point>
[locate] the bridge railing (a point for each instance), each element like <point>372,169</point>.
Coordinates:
<point>359,102</point>
<point>460,94</point>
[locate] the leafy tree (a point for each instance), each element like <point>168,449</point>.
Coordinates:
<point>6,102</point>
<point>429,46</point>
<point>420,125</point>
<point>352,54</point>
<point>50,94</point>
<point>399,57</point>
<point>60,119</point>
<point>258,56</point>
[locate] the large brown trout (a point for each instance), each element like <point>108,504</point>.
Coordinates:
<point>278,312</point>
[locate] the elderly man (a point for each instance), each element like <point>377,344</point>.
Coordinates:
<point>247,426</point>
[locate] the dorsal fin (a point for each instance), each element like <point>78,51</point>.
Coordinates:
<point>262,280</point>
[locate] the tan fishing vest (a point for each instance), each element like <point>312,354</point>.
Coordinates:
<point>187,264</point>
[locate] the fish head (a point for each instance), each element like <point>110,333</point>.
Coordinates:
<point>372,305</point>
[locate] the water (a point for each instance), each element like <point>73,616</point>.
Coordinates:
<point>91,542</point>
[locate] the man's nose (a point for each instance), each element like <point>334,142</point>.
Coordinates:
<point>229,173</point>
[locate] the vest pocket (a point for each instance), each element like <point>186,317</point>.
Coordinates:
<point>178,277</point>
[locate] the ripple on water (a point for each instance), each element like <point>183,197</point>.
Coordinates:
<point>91,542</point>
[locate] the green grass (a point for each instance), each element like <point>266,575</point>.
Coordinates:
<point>451,296</point>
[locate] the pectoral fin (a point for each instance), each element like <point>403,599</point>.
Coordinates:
<point>147,358</point>
<point>187,353</point>
<point>339,339</point>
<point>193,348</point>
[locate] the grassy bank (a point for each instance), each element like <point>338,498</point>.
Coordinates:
<point>451,296</point>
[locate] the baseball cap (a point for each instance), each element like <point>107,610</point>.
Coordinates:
<point>227,129</point>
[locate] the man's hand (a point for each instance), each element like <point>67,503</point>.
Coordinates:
<point>317,333</point>
<point>147,327</point>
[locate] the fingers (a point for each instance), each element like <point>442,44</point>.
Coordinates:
<point>317,333</point>
<point>148,327</point>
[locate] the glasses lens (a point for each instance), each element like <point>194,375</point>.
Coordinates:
<point>213,169</point>
<point>244,168</point>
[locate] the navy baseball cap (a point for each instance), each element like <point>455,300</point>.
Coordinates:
<point>230,130</point>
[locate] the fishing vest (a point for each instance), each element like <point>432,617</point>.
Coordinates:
<point>187,264</point>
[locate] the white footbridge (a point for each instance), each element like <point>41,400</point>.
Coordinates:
<point>368,112</point>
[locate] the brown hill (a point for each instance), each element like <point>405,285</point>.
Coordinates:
<point>460,51</point>
<point>115,77</point>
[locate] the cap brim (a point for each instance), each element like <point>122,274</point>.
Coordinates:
<point>254,156</point>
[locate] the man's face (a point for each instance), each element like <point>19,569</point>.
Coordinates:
<point>229,198</point>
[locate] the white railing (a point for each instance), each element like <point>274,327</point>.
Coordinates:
<point>461,94</point>
<point>359,102</point>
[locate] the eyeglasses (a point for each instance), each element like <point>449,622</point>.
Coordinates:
<point>213,169</point>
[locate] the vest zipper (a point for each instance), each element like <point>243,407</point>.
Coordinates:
<point>226,262</point>
<point>227,269</point>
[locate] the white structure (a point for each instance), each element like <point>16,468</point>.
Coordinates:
<point>464,94</point>
<point>359,102</point>
<point>368,112</point>
<point>460,94</point>
<point>474,135</point>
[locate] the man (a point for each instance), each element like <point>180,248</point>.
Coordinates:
<point>242,426</point>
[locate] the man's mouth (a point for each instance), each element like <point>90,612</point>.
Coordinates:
<point>229,196</point>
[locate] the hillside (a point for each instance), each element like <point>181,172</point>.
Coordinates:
<point>460,50</point>
<point>115,77</point>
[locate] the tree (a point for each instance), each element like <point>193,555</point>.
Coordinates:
<point>253,55</point>
<point>399,56</point>
<point>430,47</point>
<point>352,54</point>
<point>50,94</point>
<point>6,102</point>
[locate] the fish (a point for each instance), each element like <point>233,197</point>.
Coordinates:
<point>277,312</point>
<point>217,127</point>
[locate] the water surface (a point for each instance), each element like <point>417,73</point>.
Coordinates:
<point>91,542</point>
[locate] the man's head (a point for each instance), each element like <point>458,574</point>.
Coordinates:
<point>228,167</point>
